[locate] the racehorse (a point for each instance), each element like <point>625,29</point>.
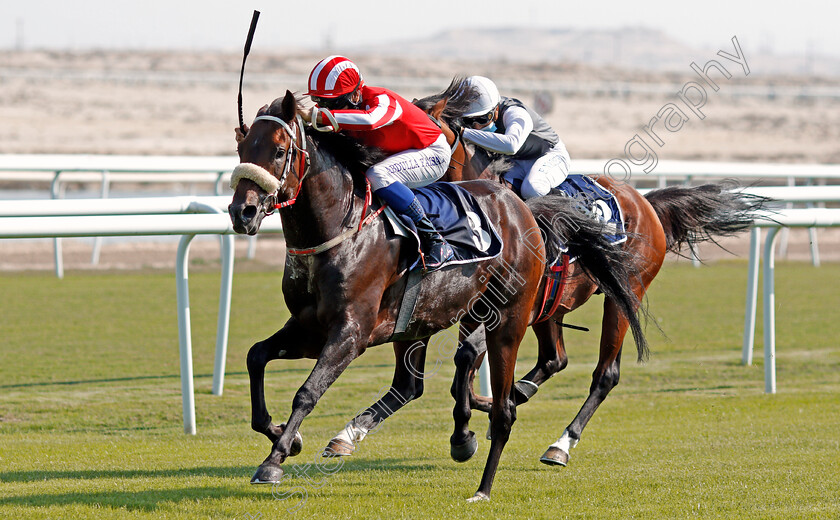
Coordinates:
<point>664,220</point>
<point>344,275</point>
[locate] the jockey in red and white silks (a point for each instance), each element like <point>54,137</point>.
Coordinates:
<point>418,153</point>
<point>506,126</point>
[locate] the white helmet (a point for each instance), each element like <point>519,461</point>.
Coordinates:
<point>488,96</point>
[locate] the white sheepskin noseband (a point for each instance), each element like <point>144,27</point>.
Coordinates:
<point>258,174</point>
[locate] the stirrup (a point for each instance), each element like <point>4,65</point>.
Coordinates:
<point>447,255</point>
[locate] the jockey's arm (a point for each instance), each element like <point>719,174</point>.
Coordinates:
<point>377,113</point>
<point>518,125</point>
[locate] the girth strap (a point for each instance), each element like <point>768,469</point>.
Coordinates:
<point>554,285</point>
<point>409,301</point>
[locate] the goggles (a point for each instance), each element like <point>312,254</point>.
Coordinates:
<point>482,120</point>
<point>336,103</point>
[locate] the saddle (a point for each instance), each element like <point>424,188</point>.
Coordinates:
<point>457,216</point>
<point>603,204</point>
<point>600,201</point>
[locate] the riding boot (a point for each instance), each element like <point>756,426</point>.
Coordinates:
<point>436,249</point>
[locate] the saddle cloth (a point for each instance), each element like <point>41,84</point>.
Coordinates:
<point>600,201</point>
<point>457,215</point>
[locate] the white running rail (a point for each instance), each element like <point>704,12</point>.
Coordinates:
<point>75,223</point>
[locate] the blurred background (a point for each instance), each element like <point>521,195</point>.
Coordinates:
<point>161,77</point>
<point>156,77</point>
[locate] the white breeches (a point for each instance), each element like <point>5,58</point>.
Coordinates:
<point>414,168</point>
<point>539,175</point>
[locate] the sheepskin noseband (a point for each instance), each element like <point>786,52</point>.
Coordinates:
<point>258,174</point>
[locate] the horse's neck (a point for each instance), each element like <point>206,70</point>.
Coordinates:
<point>321,208</point>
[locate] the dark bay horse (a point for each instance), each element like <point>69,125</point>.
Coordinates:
<point>345,275</point>
<point>664,220</point>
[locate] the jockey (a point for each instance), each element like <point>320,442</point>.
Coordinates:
<point>418,153</point>
<point>505,126</point>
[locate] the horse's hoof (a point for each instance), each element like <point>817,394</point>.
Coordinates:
<point>524,390</point>
<point>555,457</point>
<point>297,442</point>
<point>297,445</point>
<point>267,474</point>
<point>478,497</point>
<point>464,452</point>
<point>338,448</point>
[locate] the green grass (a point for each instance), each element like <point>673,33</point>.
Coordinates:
<point>90,412</point>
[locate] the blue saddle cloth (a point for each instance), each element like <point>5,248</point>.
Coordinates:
<point>600,201</point>
<point>457,215</point>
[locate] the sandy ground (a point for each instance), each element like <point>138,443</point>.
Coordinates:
<point>185,104</point>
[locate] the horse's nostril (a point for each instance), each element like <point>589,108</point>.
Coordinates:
<point>249,212</point>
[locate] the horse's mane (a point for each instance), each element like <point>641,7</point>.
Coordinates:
<point>341,148</point>
<point>458,94</point>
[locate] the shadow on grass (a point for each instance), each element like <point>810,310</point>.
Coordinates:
<point>244,472</point>
<point>42,475</point>
<point>149,500</point>
<point>170,376</point>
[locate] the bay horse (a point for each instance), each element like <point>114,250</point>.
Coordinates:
<point>664,220</point>
<point>345,275</point>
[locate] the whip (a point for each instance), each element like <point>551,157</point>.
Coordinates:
<point>244,57</point>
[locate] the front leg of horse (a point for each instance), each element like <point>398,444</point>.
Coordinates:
<point>291,342</point>
<point>340,349</point>
<point>407,385</point>
<point>463,444</point>
<point>503,345</point>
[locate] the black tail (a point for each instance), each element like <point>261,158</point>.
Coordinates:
<point>566,221</point>
<point>703,213</point>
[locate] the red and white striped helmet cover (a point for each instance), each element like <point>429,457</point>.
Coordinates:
<point>334,76</point>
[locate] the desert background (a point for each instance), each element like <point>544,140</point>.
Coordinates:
<point>599,92</point>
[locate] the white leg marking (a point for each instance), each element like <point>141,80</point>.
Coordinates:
<point>565,442</point>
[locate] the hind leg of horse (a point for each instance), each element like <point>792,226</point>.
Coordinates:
<point>503,344</point>
<point>471,345</point>
<point>551,359</point>
<point>290,342</point>
<point>406,386</point>
<point>604,378</point>
<point>343,345</point>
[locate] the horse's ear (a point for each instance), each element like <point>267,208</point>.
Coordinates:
<point>438,109</point>
<point>289,106</point>
<point>262,111</point>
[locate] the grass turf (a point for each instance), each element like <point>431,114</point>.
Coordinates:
<point>90,412</point>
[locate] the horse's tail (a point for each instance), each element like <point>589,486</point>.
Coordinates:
<point>566,221</point>
<point>703,213</point>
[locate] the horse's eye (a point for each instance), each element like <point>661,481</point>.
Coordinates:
<point>280,153</point>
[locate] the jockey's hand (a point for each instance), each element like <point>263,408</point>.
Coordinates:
<point>457,128</point>
<point>240,136</point>
<point>306,114</point>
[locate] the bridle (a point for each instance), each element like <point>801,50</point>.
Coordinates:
<point>439,122</point>
<point>270,200</point>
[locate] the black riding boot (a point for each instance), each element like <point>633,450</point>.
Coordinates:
<point>436,250</point>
